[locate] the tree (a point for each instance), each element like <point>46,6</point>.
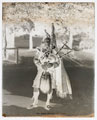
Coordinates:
<point>28,25</point>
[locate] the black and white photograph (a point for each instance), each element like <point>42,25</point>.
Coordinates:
<point>48,56</point>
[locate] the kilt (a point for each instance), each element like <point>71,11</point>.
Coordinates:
<point>37,80</point>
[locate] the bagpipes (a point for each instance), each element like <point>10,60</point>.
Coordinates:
<point>46,79</point>
<point>54,44</point>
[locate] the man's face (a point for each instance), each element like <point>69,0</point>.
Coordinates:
<point>45,45</point>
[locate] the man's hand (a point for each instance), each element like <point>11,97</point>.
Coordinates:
<point>56,64</point>
<point>44,67</point>
<point>49,65</point>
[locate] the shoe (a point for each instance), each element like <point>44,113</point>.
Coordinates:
<point>32,106</point>
<point>47,107</point>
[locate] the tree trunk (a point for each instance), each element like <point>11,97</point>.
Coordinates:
<point>5,41</point>
<point>30,41</point>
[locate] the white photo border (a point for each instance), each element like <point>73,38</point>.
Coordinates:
<point>95,85</point>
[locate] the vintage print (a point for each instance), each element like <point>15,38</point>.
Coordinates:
<point>48,59</point>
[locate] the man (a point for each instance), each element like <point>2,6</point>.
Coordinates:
<point>46,63</point>
<point>51,73</point>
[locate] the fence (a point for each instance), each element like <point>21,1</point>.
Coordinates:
<point>16,53</point>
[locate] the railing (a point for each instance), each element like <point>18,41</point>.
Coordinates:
<point>17,52</point>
